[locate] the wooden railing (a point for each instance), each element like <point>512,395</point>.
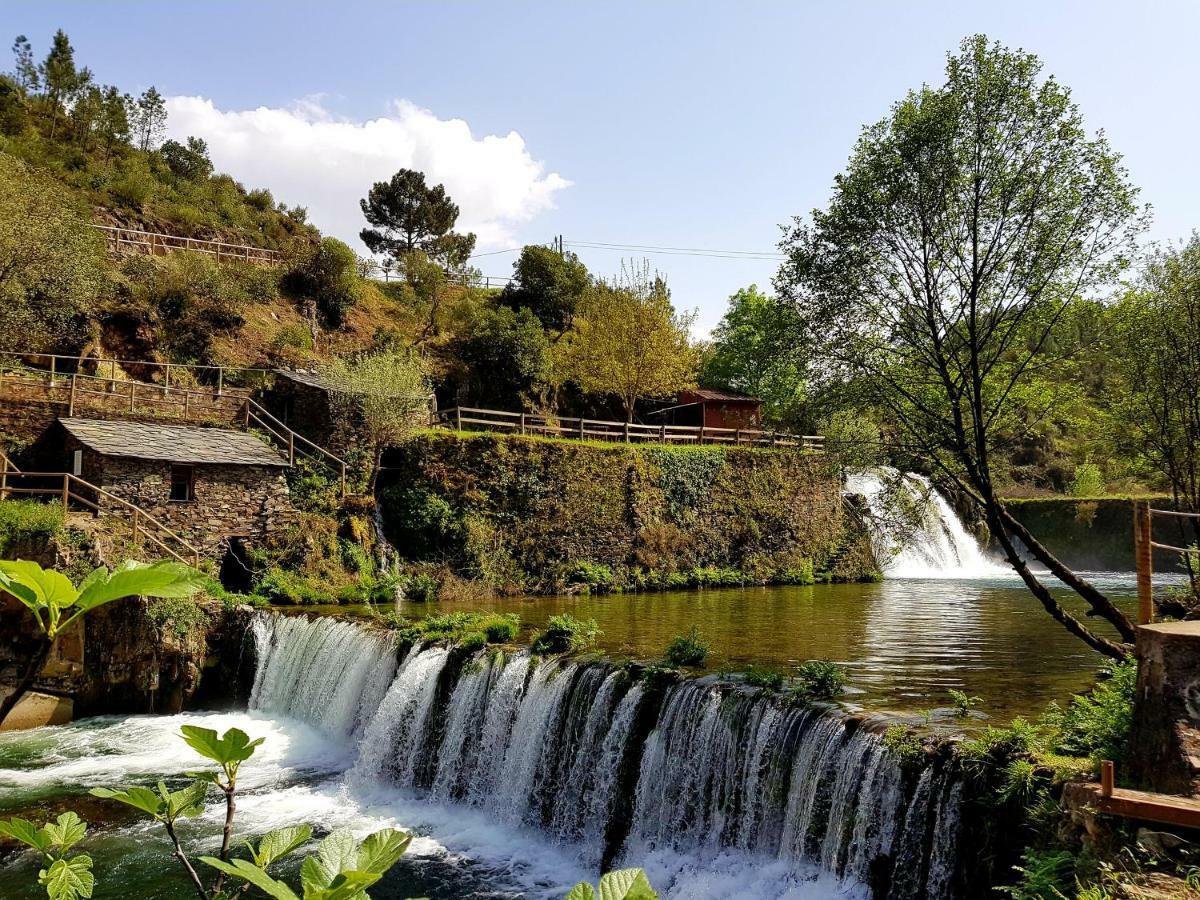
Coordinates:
<point>1144,546</point>
<point>237,409</point>
<point>158,244</point>
<point>239,380</point>
<point>464,418</point>
<point>255,416</point>
<point>67,489</point>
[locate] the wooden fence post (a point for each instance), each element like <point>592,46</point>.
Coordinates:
<point>132,395</point>
<point>581,429</point>
<point>1144,557</point>
<point>1107,778</point>
<point>136,521</point>
<point>627,431</point>
<point>458,418</point>
<point>71,402</point>
<point>291,448</point>
<point>3,477</point>
<point>522,423</point>
<point>51,371</point>
<point>220,379</point>
<point>66,492</point>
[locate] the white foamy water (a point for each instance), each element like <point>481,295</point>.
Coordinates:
<point>531,775</point>
<point>938,547</point>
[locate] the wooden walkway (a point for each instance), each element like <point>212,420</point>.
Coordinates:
<point>463,418</point>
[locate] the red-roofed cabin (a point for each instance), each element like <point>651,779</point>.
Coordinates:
<point>718,409</point>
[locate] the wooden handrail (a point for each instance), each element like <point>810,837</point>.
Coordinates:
<point>221,372</point>
<point>1144,546</point>
<point>153,240</point>
<point>572,427</point>
<point>65,492</point>
<point>257,413</point>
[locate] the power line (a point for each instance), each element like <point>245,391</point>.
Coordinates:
<point>496,252</point>
<point>760,255</point>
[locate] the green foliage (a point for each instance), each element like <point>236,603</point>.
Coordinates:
<point>293,337</point>
<point>1096,724</point>
<point>1044,875</point>
<point>755,351</point>
<point>566,634</point>
<point>51,262</point>
<point>281,585</point>
<point>507,355</point>
<point>27,522</point>
<point>687,649</point>
<point>548,284</point>
<point>56,603</point>
<point>623,884</point>
<point>64,877</point>
<point>597,577</point>
<point>467,630</point>
<point>328,275</point>
<point>817,679</point>
<point>408,216</point>
<point>631,342</point>
<point>963,704</point>
<point>182,614</point>
<point>1088,481</point>
<point>763,677</point>
<point>907,745</point>
<point>421,588</point>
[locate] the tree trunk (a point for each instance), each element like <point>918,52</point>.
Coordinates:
<point>32,669</point>
<point>1052,606</point>
<point>1100,604</point>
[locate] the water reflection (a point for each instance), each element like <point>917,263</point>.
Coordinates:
<point>905,642</point>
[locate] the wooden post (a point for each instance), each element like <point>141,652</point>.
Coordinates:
<point>112,375</point>
<point>522,423</point>
<point>66,492</point>
<point>663,433</point>
<point>291,448</point>
<point>458,418</point>
<point>220,379</point>
<point>186,403</point>
<point>581,428</point>
<point>1144,557</point>
<point>71,402</point>
<point>3,477</point>
<point>136,520</point>
<point>167,380</point>
<point>343,479</point>
<point>1107,778</point>
<point>627,431</point>
<point>132,394</point>
<point>737,437</point>
<point>701,431</point>
<point>52,371</point>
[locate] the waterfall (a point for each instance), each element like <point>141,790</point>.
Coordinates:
<point>622,771</point>
<point>924,539</point>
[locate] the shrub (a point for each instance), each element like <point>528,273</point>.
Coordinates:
<point>181,614</point>
<point>283,586</point>
<point>294,337</point>
<point>771,679</point>
<point>963,704</point>
<point>687,649</point>
<point>421,588</point>
<point>818,679</point>
<point>501,629</point>
<point>565,633</point>
<point>907,745</point>
<point>596,576</point>
<point>27,521</point>
<point>1088,481</point>
<point>472,641</point>
<point>1097,724</point>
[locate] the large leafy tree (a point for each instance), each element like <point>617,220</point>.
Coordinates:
<point>965,225</point>
<point>388,393</point>
<point>550,285</point>
<point>407,215</point>
<point>630,341</point>
<point>508,356</point>
<point>1154,346</point>
<point>755,350</point>
<point>51,262</point>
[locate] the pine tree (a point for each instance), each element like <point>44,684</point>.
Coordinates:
<point>149,117</point>
<point>25,71</point>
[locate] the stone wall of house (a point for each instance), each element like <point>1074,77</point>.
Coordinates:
<point>242,501</point>
<point>24,422</point>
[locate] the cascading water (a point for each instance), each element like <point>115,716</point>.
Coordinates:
<point>932,543</point>
<point>718,791</point>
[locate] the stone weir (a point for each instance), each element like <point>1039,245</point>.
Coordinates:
<point>627,766</point>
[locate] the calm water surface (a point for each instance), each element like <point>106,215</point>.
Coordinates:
<point>904,642</point>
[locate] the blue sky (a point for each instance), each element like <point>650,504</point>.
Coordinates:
<point>685,124</point>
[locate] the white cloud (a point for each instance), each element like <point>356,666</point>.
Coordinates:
<point>308,156</point>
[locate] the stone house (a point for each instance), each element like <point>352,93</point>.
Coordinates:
<point>216,487</point>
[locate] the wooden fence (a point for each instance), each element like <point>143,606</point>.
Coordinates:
<point>464,418</point>
<point>70,489</point>
<point>123,240</point>
<point>1144,546</point>
<point>236,380</point>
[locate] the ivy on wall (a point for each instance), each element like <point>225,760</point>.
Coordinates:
<point>531,514</point>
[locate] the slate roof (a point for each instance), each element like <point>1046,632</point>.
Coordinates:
<point>311,379</point>
<point>174,443</point>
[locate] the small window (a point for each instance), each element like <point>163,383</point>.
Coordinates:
<point>183,484</point>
